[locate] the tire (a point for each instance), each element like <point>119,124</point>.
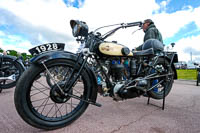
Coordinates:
<point>158,92</point>
<point>14,68</point>
<point>44,116</point>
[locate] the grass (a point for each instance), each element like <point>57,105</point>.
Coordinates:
<point>187,74</point>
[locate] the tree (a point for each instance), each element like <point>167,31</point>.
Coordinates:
<point>1,50</point>
<point>12,52</point>
<point>18,54</point>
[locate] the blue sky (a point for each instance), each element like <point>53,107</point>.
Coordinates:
<point>175,5</point>
<point>26,23</point>
<point>75,3</point>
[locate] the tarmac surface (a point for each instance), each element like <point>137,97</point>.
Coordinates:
<point>181,114</point>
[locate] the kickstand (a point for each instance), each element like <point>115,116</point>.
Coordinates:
<point>163,104</point>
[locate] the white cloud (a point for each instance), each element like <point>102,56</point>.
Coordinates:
<point>21,47</point>
<point>196,16</point>
<point>2,33</point>
<point>163,4</point>
<point>1,44</point>
<point>44,13</point>
<point>185,46</point>
<point>55,15</point>
<point>170,24</point>
<point>13,42</point>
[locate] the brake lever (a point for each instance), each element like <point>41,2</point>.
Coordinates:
<point>136,30</point>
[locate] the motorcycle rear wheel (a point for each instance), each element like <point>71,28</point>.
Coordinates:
<point>41,106</point>
<point>165,68</point>
<point>13,68</point>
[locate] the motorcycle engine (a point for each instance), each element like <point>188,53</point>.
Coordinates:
<point>117,71</point>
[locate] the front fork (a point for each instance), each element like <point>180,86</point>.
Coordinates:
<point>72,80</point>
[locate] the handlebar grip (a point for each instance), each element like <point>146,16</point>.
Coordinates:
<point>139,23</point>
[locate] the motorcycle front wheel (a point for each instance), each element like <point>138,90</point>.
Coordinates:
<point>10,68</point>
<point>41,105</point>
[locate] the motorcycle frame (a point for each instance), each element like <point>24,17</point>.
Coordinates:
<point>81,61</point>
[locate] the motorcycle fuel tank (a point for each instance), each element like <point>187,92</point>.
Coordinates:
<point>112,49</point>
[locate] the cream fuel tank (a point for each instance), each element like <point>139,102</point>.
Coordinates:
<point>114,49</point>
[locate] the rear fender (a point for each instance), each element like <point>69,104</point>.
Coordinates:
<point>172,60</point>
<point>70,56</point>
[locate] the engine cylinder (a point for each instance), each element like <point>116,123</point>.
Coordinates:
<point>133,68</point>
<point>117,71</point>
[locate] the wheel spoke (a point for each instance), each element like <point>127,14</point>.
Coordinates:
<point>42,85</point>
<point>42,103</point>
<point>52,106</point>
<point>45,105</point>
<point>77,92</point>
<point>39,92</point>
<point>50,109</point>
<point>66,108</point>
<point>58,110</point>
<point>39,99</point>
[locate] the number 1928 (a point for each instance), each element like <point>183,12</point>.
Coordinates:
<point>47,47</point>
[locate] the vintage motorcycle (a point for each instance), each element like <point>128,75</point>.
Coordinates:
<point>11,68</point>
<point>103,67</point>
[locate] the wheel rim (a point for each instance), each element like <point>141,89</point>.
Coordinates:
<point>44,107</point>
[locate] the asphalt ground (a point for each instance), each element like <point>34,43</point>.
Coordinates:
<point>181,114</point>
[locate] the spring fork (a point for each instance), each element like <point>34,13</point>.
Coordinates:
<point>63,93</point>
<point>71,95</point>
<point>70,84</point>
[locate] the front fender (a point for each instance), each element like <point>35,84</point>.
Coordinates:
<point>70,56</point>
<point>52,55</point>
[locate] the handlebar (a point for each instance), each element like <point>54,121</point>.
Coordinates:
<point>123,25</point>
<point>139,23</point>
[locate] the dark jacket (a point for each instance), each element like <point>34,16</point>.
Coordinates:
<point>151,33</point>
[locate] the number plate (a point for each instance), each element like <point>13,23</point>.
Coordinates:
<point>46,47</point>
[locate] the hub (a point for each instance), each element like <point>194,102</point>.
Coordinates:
<point>56,94</point>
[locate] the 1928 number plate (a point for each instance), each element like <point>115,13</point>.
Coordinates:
<point>46,47</point>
